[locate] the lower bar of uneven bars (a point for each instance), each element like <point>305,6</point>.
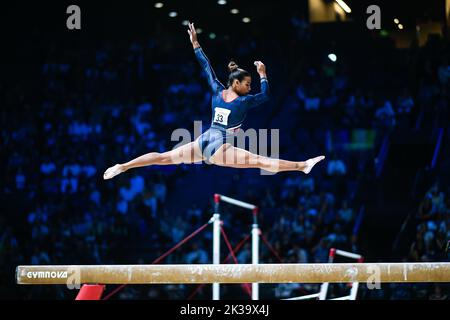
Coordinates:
<point>342,298</point>
<point>309,296</point>
<point>348,254</point>
<point>237,202</point>
<point>241,273</point>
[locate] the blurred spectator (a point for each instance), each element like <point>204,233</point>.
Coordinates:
<point>336,167</point>
<point>345,214</point>
<point>385,115</point>
<point>197,255</point>
<point>437,293</point>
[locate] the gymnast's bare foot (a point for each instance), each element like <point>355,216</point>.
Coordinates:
<point>310,163</point>
<point>113,171</point>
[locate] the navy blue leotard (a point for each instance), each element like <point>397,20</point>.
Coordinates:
<point>227,117</point>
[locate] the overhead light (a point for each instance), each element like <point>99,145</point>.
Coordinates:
<point>185,22</point>
<point>173,14</point>
<point>222,2</point>
<point>332,57</point>
<point>212,35</point>
<point>344,6</point>
<point>234,11</point>
<point>396,21</point>
<point>159,5</point>
<point>199,30</point>
<point>400,26</point>
<point>246,20</point>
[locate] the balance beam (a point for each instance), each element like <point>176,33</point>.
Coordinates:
<point>237,273</point>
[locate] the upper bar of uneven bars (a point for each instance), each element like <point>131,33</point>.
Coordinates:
<point>241,273</point>
<point>236,202</point>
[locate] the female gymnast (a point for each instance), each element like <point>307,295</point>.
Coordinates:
<point>229,109</point>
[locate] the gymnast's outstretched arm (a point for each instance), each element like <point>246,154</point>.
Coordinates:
<point>213,82</point>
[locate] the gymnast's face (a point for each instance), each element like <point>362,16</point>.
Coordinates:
<point>243,87</point>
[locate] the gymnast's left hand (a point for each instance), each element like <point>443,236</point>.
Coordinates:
<point>260,68</point>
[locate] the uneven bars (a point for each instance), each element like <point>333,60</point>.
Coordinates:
<point>347,254</point>
<point>237,202</point>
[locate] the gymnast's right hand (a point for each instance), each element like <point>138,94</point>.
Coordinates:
<point>193,35</point>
